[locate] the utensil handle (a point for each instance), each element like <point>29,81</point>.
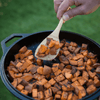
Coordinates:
<point>3,42</point>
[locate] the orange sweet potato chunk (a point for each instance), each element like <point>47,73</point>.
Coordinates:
<point>42,49</point>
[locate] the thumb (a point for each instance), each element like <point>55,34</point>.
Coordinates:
<point>80,10</point>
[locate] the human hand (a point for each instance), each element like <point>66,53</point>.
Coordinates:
<point>83,7</point>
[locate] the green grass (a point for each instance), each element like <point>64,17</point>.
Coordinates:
<point>29,16</point>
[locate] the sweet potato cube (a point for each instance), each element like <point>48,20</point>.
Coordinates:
<point>24,83</point>
<point>39,62</point>
<point>54,90</point>
<point>14,83</point>
<point>65,70</point>
<point>47,52</point>
<point>25,92</point>
<point>70,96</point>
<point>57,86</point>
<point>23,49</point>
<point>88,68</point>
<point>15,70</point>
<point>91,89</point>
<point>11,74</point>
<point>95,65</point>
<point>77,73</point>
<point>61,66</point>
<point>67,87</point>
<point>30,57</point>
<point>29,67</point>
<point>40,70</point>
<point>82,81</point>
<point>73,44</point>
<point>68,76</point>
<point>53,51</point>
<point>42,49</point>
<point>17,56</point>
<point>19,64</point>
<point>18,75</point>
<point>89,82</point>
<point>52,81</point>
<point>47,85</point>
<point>84,46</point>
<point>33,70</point>
<point>73,62</point>
<point>50,98</point>
<point>29,88</point>
<point>65,82</point>
<point>96,82</point>
<point>98,70</point>
<point>57,72</point>
<point>34,93</point>
<point>22,56</point>
<point>89,62</point>
<point>51,44</point>
<point>77,50</point>
<point>57,97</point>
<point>74,79</point>
<point>20,87</point>
<point>91,74</point>
<point>43,81</point>
<point>12,64</point>
<point>55,68</point>
<point>48,40</point>
<point>27,77</point>
<point>40,95</point>
<point>59,92</point>
<point>28,52</point>
<point>57,45</point>
<point>80,62</point>
<point>80,91</point>
<point>75,84</point>
<point>75,97</point>
<point>48,93</point>
<point>64,96</point>
<point>46,70</point>
<point>60,78</point>
<point>52,75</point>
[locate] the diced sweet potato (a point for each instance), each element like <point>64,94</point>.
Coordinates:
<point>74,79</point>
<point>14,83</point>
<point>25,92</point>
<point>46,70</point>
<point>66,52</point>
<point>68,76</point>
<point>20,87</point>
<point>28,52</point>
<point>43,81</point>
<point>15,70</point>
<point>96,65</point>
<point>91,74</point>
<point>52,81</point>
<point>57,45</point>
<point>77,50</point>
<point>61,66</point>
<point>48,40</point>
<point>40,95</point>
<point>73,44</point>
<point>64,49</point>
<point>82,81</point>
<point>89,82</point>
<point>47,52</point>
<point>91,89</point>
<point>71,49</point>
<point>54,68</point>
<point>19,80</point>
<point>80,91</point>
<point>64,96</point>
<point>65,70</point>
<point>19,64</point>
<point>75,84</point>
<point>23,49</point>
<point>70,96</point>
<point>30,67</point>
<point>33,70</point>
<point>18,75</point>
<point>24,83</point>
<point>81,68</point>
<point>96,82</point>
<point>39,62</point>
<point>98,70</point>
<point>47,85</point>
<point>84,52</point>
<point>74,70</point>
<point>51,44</point>
<point>50,98</point>
<point>12,64</point>
<point>65,82</point>
<point>54,90</point>
<point>57,86</point>
<point>59,92</point>
<point>31,57</point>
<point>84,46</point>
<point>91,55</point>
<point>29,88</point>
<point>34,93</point>
<point>57,72</point>
<point>57,97</point>
<point>60,78</point>
<point>73,62</point>
<point>11,75</point>
<point>75,97</point>
<point>63,60</point>
<point>88,68</point>
<point>17,56</point>
<point>40,70</point>
<point>89,62</point>
<point>48,93</point>
<point>22,56</point>
<point>77,73</point>
<point>80,62</point>
<point>53,51</point>
<point>27,77</point>
<point>67,87</point>
<point>38,76</point>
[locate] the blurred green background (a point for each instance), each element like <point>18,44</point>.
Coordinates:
<point>29,16</point>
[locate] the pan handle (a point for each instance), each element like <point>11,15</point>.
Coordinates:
<point>3,42</point>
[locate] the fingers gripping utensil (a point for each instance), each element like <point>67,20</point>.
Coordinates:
<point>55,36</point>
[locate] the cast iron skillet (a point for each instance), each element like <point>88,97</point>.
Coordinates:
<point>32,41</point>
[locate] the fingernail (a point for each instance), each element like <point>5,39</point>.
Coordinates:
<point>65,17</point>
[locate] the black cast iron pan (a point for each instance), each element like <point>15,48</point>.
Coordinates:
<point>32,41</point>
